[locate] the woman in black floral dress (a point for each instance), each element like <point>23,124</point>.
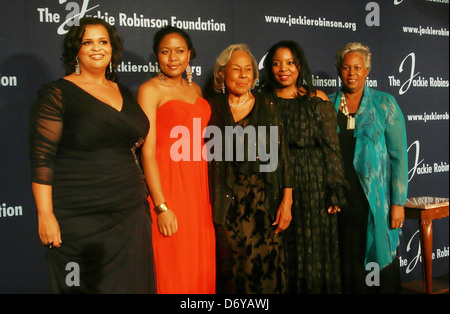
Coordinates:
<point>251,197</point>
<point>311,129</point>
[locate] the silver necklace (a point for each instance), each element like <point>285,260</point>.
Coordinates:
<point>239,104</point>
<point>350,119</point>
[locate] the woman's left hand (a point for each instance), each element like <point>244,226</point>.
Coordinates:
<point>397,216</point>
<point>284,216</point>
<point>334,209</point>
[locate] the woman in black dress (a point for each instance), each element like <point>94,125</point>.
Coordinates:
<point>251,195</point>
<point>310,123</point>
<point>89,189</point>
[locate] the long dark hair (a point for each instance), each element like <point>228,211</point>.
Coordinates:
<point>72,44</point>
<point>170,30</point>
<point>304,77</point>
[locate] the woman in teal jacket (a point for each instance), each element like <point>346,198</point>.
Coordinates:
<point>373,143</point>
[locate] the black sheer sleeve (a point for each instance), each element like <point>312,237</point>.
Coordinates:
<point>285,170</point>
<point>45,130</point>
<point>335,177</point>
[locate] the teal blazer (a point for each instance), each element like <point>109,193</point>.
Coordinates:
<point>381,163</point>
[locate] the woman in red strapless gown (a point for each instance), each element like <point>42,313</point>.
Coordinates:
<point>176,173</point>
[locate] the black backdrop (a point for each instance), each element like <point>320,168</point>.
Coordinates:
<point>409,40</point>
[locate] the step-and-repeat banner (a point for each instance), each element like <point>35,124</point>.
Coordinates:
<point>409,41</point>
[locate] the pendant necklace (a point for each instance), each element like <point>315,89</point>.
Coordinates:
<point>239,104</point>
<point>350,118</point>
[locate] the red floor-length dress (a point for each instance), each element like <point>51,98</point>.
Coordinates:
<point>185,262</point>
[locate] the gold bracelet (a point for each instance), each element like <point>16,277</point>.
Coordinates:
<point>161,208</point>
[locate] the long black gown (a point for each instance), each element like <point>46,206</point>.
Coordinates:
<point>86,150</point>
<point>312,238</point>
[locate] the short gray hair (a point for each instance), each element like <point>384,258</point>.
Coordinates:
<point>223,59</point>
<point>363,50</point>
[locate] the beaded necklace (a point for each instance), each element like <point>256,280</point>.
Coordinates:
<point>239,104</point>
<point>350,118</point>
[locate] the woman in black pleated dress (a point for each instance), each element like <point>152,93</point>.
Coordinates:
<point>310,123</point>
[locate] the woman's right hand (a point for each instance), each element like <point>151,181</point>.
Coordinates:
<point>167,223</point>
<point>49,231</point>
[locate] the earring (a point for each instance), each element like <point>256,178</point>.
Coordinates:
<point>161,76</point>
<point>223,88</point>
<point>110,68</point>
<point>189,74</point>
<point>77,67</point>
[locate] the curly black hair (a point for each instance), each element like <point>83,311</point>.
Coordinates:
<point>72,44</point>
